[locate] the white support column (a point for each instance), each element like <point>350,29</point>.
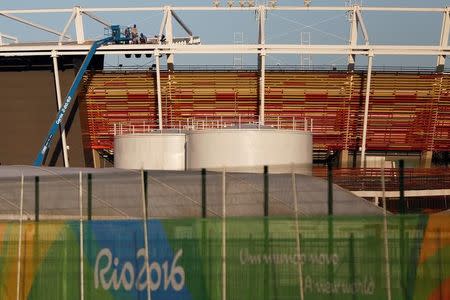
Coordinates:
<point>262,63</point>
<point>353,37</point>
<point>366,111</point>
<point>79,25</point>
<point>444,39</point>
<point>158,89</point>
<point>58,98</point>
<point>262,83</point>
<point>169,36</point>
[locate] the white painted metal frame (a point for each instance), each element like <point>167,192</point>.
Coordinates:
<point>366,112</point>
<point>7,37</point>
<point>158,90</point>
<point>353,49</point>
<point>59,101</point>
<point>79,25</point>
<point>32,24</point>
<point>444,37</point>
<point>261,49</point>
<point>262,63</point>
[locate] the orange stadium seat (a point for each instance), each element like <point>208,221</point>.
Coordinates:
<point>407,112</point>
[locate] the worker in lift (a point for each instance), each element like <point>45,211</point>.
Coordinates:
<point>128,33</point>
<point>142,39</point>
<point>134,35</point>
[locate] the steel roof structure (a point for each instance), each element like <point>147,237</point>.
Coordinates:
<point>80,46</point>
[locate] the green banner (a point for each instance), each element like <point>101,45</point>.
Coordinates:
<point>239,258</point>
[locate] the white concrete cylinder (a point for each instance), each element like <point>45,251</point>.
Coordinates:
<point>150,151</point>
<point>248,150</point>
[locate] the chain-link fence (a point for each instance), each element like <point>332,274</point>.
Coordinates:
<point>228,258</point>
<point>115,234</point>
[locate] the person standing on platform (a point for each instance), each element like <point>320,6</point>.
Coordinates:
<point>134,35</point>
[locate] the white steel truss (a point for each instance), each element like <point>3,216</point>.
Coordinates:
<point>170,47</point>
<point>6,39</point>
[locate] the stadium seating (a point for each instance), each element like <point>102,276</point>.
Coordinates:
<point>408,111</point>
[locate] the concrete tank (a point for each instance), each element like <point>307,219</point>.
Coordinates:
<point>248,149</point>
<point>150,151</point>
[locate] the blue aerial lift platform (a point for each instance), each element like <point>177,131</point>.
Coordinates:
<point>116,37</point>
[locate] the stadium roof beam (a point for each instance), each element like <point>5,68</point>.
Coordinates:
<point>443,42</point>
<point>32,24</point>
<point>169,36</point>
<point>356,19</point>
<point>225,8</point>
<point>97,18</point>
<point>7,37</point>
<point>79,28</point>
<point>66,27</point>
<point>167,25</point>
<point>255,8</point>
<point>71,49</point>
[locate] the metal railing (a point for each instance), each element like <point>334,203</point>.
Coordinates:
<point>280,68</point>
<point>203,122</point>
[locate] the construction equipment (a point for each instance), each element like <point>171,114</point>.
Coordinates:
<point>116,37</point>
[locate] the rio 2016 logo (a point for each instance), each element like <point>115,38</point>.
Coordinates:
<point>126,277</point>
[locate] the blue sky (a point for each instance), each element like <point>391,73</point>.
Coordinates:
<point>282,27</point>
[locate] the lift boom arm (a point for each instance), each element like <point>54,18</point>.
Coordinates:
<point>59,117</point>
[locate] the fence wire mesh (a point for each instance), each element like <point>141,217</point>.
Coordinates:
<point>263,236</point>
<point>253,258</point>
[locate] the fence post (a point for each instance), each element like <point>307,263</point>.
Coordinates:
<point>203,193</point>
<point>352,261</point>
<point>36,198</point>
<point>206,290</point>
<point>89,197</point>
<point>224,233</point>
<point>330,188</point>
<point>385,235</point>
<point>19,250</point>
<point>330,224</point>
<point>146,193</point>
<point>297,234</point>
<point>146,258</point>
<point>401,169</point>
<point>266,231</point>
<point>266,191</point>
<point>402,211</point>
<point>80,197</point>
